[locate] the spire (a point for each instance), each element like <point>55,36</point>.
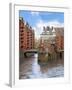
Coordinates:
<point>43,28</point>
<point>27,24</point>
<point>48,28</point>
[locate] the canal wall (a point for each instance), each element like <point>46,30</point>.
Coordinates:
<point>45,57</point>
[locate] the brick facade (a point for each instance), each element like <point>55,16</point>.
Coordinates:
<point>59,38</point>
<point>26,36</point>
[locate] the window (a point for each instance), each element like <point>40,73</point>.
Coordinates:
<point>22,34</point>
<point>21,38</point>
<point>21,46</point>
<point>27,43</point>
<point>21,27</point>
<point>21,30</point>
<point>27,48</point>
<point>27,38</point>
<point>21,41</point>
<point>31,44</point>
<point>31,47</point>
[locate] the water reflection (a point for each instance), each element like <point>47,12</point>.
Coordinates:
<point>30,68</point>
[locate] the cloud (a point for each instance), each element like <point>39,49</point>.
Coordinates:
<point>39,26</point>
<point>35,13</point>
<point>53,23</point>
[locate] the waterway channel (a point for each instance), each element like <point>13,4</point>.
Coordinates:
<point>29,68</point>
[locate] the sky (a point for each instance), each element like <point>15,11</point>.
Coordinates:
<point>39,19</point>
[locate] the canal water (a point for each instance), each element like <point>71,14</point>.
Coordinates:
<point>29,68</point>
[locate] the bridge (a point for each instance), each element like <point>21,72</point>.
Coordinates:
<point>61,51</point>
<point>31,51</point>
<point>36,51</point>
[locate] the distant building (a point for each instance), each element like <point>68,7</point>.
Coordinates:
<point>52,39</point>
<point>47,39</point>
<point>26,35</point>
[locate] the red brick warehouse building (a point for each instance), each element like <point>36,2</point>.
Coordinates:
<point>26,36</point>
<point>59,38</point>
